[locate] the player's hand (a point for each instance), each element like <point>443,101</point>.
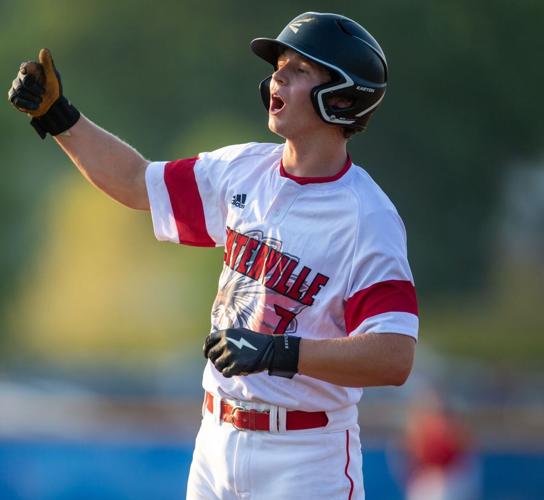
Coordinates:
<point>37,91</point>
<point>37,86</point>
<point>239,351</point>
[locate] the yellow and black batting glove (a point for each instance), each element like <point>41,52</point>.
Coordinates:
<point>37,91</point>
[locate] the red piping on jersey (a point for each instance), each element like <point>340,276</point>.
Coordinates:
<point>315,180</point>
<point>179,177</point>
<point>347,465</point>
<point>379,298</point>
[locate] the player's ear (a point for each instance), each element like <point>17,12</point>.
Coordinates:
<point>339,102</point>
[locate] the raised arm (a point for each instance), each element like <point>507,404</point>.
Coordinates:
<point>104,160</point>
<point>107,162</point>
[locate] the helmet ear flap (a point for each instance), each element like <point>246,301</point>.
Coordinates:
<point>264,89</point>
<point>329,114</point>
<point>316,102</point>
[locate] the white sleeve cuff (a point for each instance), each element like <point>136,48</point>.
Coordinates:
<point>390,322</point>
<point>162,215</point>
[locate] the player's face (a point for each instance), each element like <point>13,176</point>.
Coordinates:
<point>291,113</point>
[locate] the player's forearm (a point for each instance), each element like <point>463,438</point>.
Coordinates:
<point>362,361</point>
<point>107,162</point>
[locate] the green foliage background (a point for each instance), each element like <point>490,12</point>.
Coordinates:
<point>82,278</point>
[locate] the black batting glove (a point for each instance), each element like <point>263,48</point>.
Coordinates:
<point>26,93</point>
<point>239,351</point>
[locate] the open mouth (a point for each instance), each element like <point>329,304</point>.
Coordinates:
<point>276,104</point>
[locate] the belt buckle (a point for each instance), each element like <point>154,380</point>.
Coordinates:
<point>233,417</point>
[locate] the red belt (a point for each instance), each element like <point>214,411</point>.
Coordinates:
<point>255,420</point>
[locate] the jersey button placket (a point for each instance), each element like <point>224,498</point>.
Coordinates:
<point>282,202</point>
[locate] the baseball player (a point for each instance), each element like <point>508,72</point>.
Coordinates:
<point>316,298</point>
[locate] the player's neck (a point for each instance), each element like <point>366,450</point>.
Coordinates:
<point>316,158</point>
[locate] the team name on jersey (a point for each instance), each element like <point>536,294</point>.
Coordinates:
<point>274,269</point>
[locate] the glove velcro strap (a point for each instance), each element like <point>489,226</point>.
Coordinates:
<point>285,361</point>
<point>61,116</point>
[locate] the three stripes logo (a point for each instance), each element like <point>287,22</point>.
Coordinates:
<point>239,200</point>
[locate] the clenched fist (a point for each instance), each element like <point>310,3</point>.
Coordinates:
<point>37,86</point>
<point>239,351</point>
<point>37,91</point>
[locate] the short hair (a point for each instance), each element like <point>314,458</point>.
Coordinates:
<point>348,132</point>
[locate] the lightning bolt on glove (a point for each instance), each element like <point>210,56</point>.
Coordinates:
<point>239,351</point>
<point>37,91</point>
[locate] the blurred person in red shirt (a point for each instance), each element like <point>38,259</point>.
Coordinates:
<point>440,462</point>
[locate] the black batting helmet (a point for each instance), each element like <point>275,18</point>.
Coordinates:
<point>354,58</point>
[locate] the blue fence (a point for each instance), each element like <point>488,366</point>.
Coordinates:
<point>106,471</point>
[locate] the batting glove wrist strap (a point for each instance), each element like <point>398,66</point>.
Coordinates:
<point>61,116</point>
<point>285,359</point>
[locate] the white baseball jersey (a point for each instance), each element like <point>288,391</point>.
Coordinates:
<point>315,257</point>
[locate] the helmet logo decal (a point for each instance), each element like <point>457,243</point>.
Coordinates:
<point>365,89</point>
<point>294,27</point>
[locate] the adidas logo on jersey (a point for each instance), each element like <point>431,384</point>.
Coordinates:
<point>239,200</point>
